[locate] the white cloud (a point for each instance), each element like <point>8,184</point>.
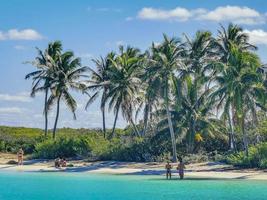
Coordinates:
<point>177,14</point>
<point>24,34</point>
<point>257,36</point>
<point>22,97</point>
<point>236,14</point>
<point>10,110</point>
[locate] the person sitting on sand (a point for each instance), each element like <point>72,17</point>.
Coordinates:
<point>57,162</point>
<point>168,170</point>
<point>180,168</point>
<point>63,162</point>
<point>20,156</point>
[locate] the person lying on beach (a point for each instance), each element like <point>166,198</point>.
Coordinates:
<point>20,156</point>
<point>180,168</point>
<point>168,170</point>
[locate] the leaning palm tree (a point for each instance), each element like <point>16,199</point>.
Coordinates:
<point>99,83</point>
<point>164,63</point>
<point>44,75</point>
<point>124,86</point>
<point>69,71</point>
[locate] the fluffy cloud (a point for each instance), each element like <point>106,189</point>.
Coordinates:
<point>22,97</point>
<point>236,14</point>
<point>257,36</point>
<point>177,14</point>
<point>25,34</point>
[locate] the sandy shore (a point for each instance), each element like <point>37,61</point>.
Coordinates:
<point>208,170</point>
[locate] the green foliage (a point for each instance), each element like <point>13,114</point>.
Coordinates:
<point>257,157</point>
<point>71,145</point>
<point>13,138</point>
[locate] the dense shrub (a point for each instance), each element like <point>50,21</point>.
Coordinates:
<point>13,138</point>
<point>71,146</point>
<point>257,157</point>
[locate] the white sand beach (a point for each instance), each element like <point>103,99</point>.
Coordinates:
<point>207,170</point>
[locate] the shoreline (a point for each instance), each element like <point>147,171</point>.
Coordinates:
<point>206,170</point>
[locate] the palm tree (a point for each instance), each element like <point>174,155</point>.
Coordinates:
<point>124,85</point>
<point>233,35</point>
<point>240,86</point>
<point>68,73</point>
<point>164,63</point>
<point>194,82</point>
<point>43,76</point>
<point>99,83</point>
<point>227,38</point>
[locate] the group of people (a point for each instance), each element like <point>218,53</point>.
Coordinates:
<point>60,162</point>
<point>180,167</point>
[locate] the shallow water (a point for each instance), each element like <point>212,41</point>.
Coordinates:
<point>66,186</point>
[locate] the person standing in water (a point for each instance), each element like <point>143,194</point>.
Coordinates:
<point>180,168</point>
<point>20,156</point>
<point>168,170</point>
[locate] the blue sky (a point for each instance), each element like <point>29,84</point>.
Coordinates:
<point>93,28</point>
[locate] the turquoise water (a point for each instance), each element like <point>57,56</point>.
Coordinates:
<point>66,186</point>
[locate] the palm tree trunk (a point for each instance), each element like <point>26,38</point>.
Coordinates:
<point>245,138</point>
<point>174,154</point>
<point>191,136</point>
<point>231,132</point>
<point>115,121</point>
<point>57,115</point>
<point>45,111</point>
<point>145,128</point>
<point>104,121</point>
<point>135,128</point>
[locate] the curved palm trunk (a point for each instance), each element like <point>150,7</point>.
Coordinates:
<point>231,132</point>
<point>174,154</point>
<point>57,115</point>
<point>45,111</point>
<point>115,121</point>
<point>104,121</point>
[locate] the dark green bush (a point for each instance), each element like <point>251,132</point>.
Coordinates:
<point>257,157</point>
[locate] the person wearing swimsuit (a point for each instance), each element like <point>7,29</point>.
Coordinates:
<point>181,168</point>
<point>168,171</point>
<point>20,156</point>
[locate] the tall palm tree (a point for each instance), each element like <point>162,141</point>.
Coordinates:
<point>227,38</point>
<point>194,80</point>
<point>164,63</point>
<point>99,83</point>
<point>44,75</point>
<point>240,86</point>
<point>68,74</point>
<point>124,85</point>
